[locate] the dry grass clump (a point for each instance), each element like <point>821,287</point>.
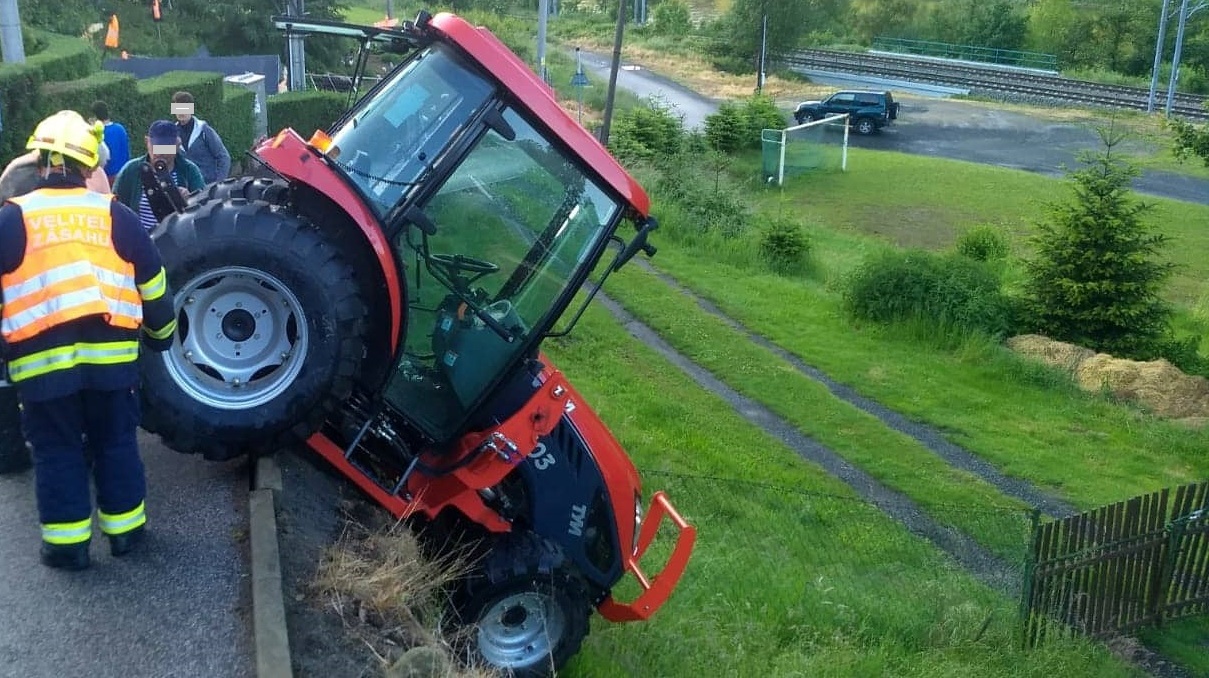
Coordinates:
<point>1157,385</point>
<point>391,594</point>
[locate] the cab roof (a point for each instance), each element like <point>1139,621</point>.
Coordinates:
<point>505,67</point>
<point>534,94</point>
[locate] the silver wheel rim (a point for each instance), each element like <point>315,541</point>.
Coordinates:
<point>241,338</point>
<point>520,630</point>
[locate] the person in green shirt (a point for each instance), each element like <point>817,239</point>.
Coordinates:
<point>163,143</point>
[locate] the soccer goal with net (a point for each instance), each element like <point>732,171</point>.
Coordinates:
<point>819,145</point>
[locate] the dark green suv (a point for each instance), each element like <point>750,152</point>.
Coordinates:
<point>867,111</point>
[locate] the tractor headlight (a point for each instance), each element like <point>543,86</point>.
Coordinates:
<point>637,520</point>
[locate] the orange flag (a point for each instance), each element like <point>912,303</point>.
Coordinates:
<point>111,35</point>
<point>155,10</point>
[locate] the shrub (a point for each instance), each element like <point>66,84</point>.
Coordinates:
<point>305,111</point>
<point>64,58</point>
<point>983,243</point>
<point>784,246</point>
<point>646,132</point>
<point>671,17</point>
<point>18,98</point>
<point>725,129</point>
<point>761,113</point>
<point>1184,354</point>
<point>699,181</point>
<point>947,291</point>
<point>236,121</point>
<point>78,95</point>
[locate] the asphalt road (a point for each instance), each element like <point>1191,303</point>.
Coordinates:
<point>180,607</point>
<point>942,127</point>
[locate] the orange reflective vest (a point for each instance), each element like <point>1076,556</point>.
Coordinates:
<point>70,269</point>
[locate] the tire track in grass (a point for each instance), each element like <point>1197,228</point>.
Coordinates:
<point>929,437</point>
<point>965,551</point>
<point>984,565</point>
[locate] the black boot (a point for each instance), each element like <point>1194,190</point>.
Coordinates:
<point>121,544</point>
<point>66,556</point>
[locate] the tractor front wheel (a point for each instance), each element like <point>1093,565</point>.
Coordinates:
<point>525,612</point>
<point>270,331</point>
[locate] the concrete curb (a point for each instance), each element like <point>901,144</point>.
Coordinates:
<point>270,636</point>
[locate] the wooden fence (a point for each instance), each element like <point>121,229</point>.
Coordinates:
<point>1120,567</point>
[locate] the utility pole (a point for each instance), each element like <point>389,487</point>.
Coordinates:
<point>294,46</point>
<point>1175,60</point>
<point>390,9</point>
<point>608,111</point>
<point>763,55</point>
<point>543,12</point>
<point>13,46</point>
<point>1185,13</point>
<point>1158,56</point>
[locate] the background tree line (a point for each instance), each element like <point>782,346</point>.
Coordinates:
<point>1116,36</point>
<point>1106,35</point>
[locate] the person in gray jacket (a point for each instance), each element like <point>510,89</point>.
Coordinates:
<point>200,143</point>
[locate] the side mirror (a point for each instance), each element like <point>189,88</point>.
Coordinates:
<point>638,242</point>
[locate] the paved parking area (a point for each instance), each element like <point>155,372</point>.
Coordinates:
<point>178,608</point>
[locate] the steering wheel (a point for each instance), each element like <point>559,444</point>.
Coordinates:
<point>456,263</point>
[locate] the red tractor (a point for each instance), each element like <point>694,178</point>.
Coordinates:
<point>382,293</point>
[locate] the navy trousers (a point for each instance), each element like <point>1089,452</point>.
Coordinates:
<point>89,434</point>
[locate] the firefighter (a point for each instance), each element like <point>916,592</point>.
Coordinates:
<point>81,282</point>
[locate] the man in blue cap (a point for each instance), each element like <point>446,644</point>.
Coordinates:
<point>161,165</point>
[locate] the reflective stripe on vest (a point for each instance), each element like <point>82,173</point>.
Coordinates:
<point>65,357</point>
<point>70,269</point>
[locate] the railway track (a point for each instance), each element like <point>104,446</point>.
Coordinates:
<point>989,80</point>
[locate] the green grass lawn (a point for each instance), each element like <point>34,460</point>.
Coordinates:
<point>917,201</point>
<point>1028,421</point>
<point>791,576</point>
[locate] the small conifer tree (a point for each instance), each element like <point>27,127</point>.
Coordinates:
<point>1097,276</point>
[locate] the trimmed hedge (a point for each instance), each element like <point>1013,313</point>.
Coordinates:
<point>65,58</point>
<point>59,57</point>
<point>63,75</point>
<point>78,95</point>
<point>18,99</point>
<point>236,123</point>
<point>305,111</point>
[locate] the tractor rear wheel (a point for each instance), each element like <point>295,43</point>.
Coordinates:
<point>270,331</point>
<point>525,612</point>
<point>14,455</point>
<point>266,189</point>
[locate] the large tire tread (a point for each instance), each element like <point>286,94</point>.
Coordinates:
<point>188,426</point>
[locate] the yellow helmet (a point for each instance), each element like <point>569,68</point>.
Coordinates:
<point>66,133</point>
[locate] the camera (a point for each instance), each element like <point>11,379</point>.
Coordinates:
<point>163,196</point>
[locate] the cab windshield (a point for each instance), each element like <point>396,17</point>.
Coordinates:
<point>511,231</point>
<point>401,130</point>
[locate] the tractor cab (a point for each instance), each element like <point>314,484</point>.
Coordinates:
<point>495,220</point>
